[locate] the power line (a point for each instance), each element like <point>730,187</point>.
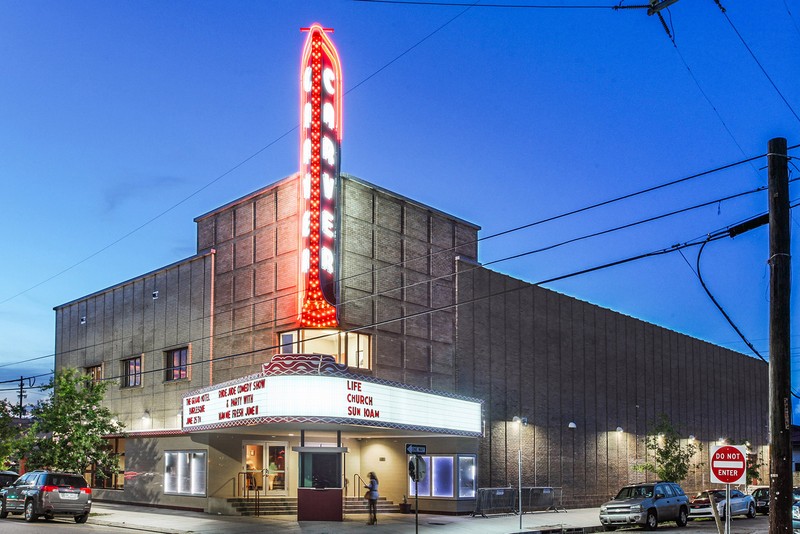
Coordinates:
<point>500,6</point>
<point>497,234</point>
<point>720,234</point>
<point>507,258</point>
<point>221,176</point>
<point>760,66</point>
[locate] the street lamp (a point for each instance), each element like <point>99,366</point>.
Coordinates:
<point>517,420</point>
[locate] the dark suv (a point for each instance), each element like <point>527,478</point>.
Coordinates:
<point>646,504</point>
<point>44,493</point>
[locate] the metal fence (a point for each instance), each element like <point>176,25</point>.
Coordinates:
<point>506,500</point>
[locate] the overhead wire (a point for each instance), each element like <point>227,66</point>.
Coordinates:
<point>760,66</point>
<point>407,286</point>
<point>218,178</point>
<point>538,222</point>
<point>445,307</point>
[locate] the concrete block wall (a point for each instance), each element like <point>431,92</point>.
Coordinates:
<point>554,359</point>
<point>125,321</point>
<point>398,260</point>
<point>257,240</point>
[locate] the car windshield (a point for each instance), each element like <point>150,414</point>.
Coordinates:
<point>634,492</point>
<point>717,494</point>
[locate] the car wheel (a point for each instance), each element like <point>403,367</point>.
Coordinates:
<point>29,513</point>
<point>652,520</point>
<point>49,517</point>
<point>751,511</point>
<point>81,518</point>
<point>3,511</point>
<point>683,517</point>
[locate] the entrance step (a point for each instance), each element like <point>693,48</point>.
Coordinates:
<point>288,506</point>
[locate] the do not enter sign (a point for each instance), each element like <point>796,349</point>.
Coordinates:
<point>728,464</point>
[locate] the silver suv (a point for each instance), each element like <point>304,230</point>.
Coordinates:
<point>646,504</point>
<point>44,493</point>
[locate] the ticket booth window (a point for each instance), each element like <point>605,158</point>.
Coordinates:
<point>320,470</point>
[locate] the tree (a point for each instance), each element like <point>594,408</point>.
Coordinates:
<point>9,433</point>
<point>672,460</point>
<point>68,426</point>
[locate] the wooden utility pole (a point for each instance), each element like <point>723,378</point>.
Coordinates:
<point>780,402</point>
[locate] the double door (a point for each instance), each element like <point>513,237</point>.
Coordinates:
<point>265,466</point>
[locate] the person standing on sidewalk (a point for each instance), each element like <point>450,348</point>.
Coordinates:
<point>372,497</point>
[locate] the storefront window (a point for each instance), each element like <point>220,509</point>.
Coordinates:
<point>467,481</point>
<point>185,472</point>
<point>441,479</point>
<point>442,476</point>
<point>349,348</point>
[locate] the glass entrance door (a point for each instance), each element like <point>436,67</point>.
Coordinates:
<point>253,466</point>
<point>276,467</point>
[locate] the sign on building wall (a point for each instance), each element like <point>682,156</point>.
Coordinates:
<point>260,399</point>
<point>320,145</point>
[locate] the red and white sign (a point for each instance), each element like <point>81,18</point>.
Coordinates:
<point>261,399</point>
<point>728,464</point>
<point>320,144</point>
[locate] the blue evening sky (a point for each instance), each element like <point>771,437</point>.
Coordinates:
<point>122,121</point>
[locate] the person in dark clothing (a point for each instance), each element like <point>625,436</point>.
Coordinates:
<point>372,496</point>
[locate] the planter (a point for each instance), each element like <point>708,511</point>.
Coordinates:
<point>405,508</point>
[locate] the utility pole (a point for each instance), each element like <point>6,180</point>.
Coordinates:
<point>21,407</point>
<point>780,418</point>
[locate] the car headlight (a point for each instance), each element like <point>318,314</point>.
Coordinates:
<point>636,508</point>
<point>795,512</point>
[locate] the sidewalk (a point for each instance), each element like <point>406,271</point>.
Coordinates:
<point>144,519</point>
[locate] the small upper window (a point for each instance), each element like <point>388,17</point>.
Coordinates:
<point>132,372</point>
<point>350,348</point>
<point>95,372</point>
<point>177,364</point>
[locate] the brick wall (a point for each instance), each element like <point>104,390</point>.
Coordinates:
<point>555,360</point>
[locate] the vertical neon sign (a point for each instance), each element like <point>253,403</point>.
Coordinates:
<point>320,144</point>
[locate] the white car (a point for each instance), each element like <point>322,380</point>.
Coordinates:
<point>741,504</point>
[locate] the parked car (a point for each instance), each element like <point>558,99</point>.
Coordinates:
<point>741,504</point>
<point>7,478</point>
<point>761,496</point>
<point>647,505</point>
<point>45,493</point>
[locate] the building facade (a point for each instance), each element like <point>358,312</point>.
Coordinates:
<point>415,309</point>
<point>327,327</point>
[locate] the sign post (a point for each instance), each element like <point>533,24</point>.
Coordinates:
<point>728,466</point>
<point>417,471</point>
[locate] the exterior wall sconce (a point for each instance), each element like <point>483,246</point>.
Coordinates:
<point>691,437</point>
<point>83,320</point>
<point>572,425</point>
<point>518,420</point>
<point>619,429</point>
<point>146,416</point>
<point>155,294</point>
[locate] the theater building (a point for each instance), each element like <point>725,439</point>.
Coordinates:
<point>325,323</point>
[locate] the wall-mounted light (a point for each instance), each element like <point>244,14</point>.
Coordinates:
<point>518,420</point>
<point>572,425</point>
<point>83,320</point>
<point>691,437</point>
<point>619,429</point>
<point>146,416</point>
<point>721,441</point>
<point>155,294</point>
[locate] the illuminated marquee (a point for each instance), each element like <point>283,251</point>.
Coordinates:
<point>260,399</point>
<point>320,142</point>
